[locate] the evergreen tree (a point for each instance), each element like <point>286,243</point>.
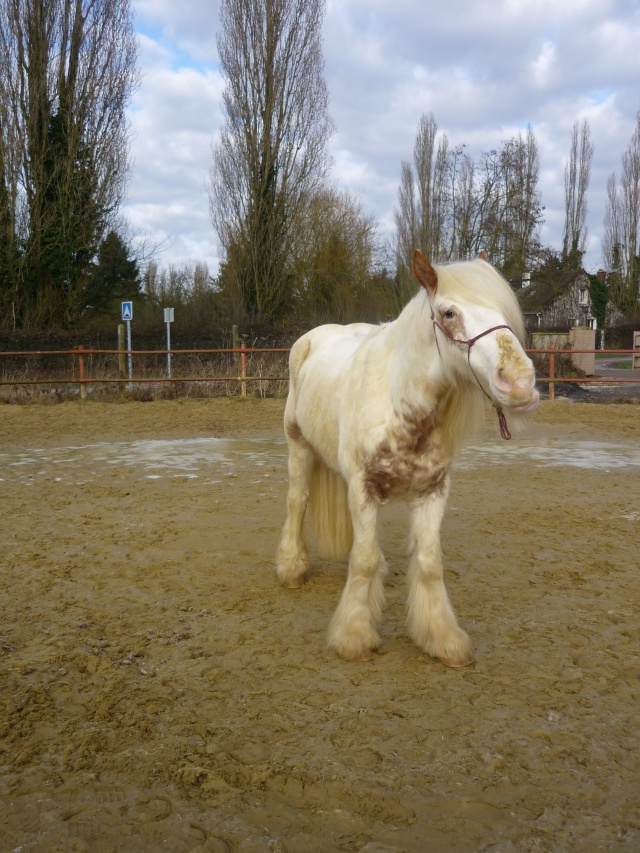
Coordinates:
<point>67,72</point>
<point>115,276</point>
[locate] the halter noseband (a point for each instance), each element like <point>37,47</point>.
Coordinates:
<point>502,421</point>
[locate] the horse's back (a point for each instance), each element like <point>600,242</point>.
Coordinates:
<point>325,349</point>
<point>335,332</point>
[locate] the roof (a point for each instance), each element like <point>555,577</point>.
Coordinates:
<point>543,291</point>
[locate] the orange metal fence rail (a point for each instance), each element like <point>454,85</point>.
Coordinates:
<point>552,379</point>
<point>83,380</point>
<point>243,351</point>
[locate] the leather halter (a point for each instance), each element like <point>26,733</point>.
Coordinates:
<point>502,421</point>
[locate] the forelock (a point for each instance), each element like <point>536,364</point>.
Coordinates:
<point>480,283</point>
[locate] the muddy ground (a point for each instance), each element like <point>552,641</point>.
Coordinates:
<point>160,691</point>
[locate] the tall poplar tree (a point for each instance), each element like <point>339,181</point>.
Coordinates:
<point>271,157</point>
<point>577,174</point>
<point>621,241</point>
<point>422,204</point>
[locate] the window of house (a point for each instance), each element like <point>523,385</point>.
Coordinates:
<point>582,296</point>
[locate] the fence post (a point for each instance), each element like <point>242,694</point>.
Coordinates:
<point>83,387</point>
<point>243,370</point>
<point>235,342</point>
<point>122,362</point>
<point>552,369</point>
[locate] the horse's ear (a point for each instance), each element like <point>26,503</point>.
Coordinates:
<point>425,273</point>
<point>483,256</point>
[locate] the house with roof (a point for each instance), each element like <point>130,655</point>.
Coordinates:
<point>557,300</point>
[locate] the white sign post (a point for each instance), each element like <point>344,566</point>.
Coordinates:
<point>127,317</point>
<point>168,318</point>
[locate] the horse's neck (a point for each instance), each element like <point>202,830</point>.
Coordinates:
<point>422,388</point>
<point>416,373</point>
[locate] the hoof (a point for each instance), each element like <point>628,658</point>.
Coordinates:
<point>292,572</point>
<point>363,657</point>
<point>456,663</point>
<point>354,641</point>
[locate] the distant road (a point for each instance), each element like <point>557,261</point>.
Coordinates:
<point>609,368</point>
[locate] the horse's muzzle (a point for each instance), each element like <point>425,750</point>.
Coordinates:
<point>516,388</point>
<point>531,405</point>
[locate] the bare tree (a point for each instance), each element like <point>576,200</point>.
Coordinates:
<point>406,234</point>
<point>621,241</point>
<point>272,151</point>
<point>522,210</point>
<point>335,260</point>
<point>422,203</point>
<point>465,208</point>
<point>67,72</point>
<point>612,245</point>
<point>577,174</point>
<point>430,163</point>
<point>453,207</point>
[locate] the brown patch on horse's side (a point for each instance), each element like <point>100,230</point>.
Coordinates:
<point>294,432</point>
<point>419,427</point>
<point>409,460</point>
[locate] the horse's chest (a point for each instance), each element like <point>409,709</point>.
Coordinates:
<point>397,471</point>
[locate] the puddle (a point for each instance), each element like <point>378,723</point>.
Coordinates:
<point>193,458</point>
<point>555,452</point>
<point>214,459</point>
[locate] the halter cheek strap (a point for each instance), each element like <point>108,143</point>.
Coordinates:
<point>502,421</point>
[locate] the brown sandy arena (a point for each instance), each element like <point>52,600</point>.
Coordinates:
<point>161,692</point>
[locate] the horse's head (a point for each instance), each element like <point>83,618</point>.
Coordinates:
<point>478,329</point>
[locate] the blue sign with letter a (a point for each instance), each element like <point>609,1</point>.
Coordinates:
<point>127,310</point>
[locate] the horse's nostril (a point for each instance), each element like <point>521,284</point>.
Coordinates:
<point>502,380</point>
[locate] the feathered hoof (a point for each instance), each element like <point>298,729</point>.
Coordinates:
<point>292,571</point>
<point>452,648</point>
<point>354,644</point>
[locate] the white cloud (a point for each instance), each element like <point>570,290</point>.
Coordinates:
<point>175,117</point>
<point>485,69</point>
<point>544,65</point>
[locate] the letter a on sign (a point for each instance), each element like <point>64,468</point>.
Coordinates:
<point>127,310</point>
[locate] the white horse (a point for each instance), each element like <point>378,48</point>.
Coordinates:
<point>376,413</point>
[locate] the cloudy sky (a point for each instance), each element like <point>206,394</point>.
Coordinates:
<point>484,68</point>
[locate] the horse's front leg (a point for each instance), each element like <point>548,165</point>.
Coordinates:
<point>431,620</point>
<point>353,629</point>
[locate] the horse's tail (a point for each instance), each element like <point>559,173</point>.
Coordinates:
<point>329,514</point>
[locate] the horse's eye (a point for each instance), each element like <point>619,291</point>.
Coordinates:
<point>449,315</point>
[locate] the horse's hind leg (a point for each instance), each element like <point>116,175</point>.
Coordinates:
<point>431,620</point>
<point>292,558</point>
<point>353,629</point>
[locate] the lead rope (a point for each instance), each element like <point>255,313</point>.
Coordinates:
<point>502,420</point>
